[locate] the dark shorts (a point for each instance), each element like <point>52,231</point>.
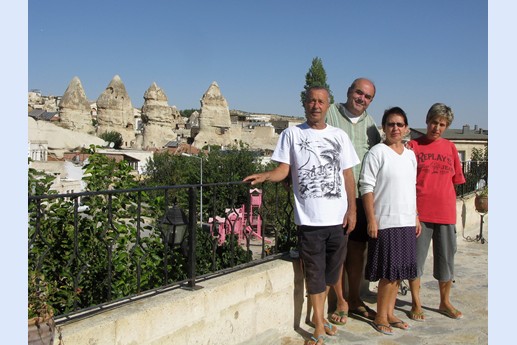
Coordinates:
<point>323,251</point>
<point>360,233</point>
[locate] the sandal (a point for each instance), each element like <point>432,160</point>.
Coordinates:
<point>400,324</point>
<point>364,311</point>
<point>417,316</point>
<point>379,328</point>
<point>329,329</point>
<point>338,314</point>
<point>453,314</point>
<point>315,341</point>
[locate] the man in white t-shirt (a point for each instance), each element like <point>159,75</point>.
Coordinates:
<point>320,158</point>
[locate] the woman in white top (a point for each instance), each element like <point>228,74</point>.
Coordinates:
<point>388,189</point>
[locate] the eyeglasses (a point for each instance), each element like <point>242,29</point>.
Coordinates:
<point>398,124</point>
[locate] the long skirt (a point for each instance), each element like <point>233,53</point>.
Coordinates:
<point>392,255</point>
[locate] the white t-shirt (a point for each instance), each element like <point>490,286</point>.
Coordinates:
<point>392,179</point>
<point>317,159</point>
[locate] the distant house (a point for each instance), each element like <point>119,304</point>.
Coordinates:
<point>42,114</point>
<point>281,124</point>
<point>38,150</point>
<point>68,177</point>
<point>173,144</point>
<point>136,159</point>
<point>465,139</point>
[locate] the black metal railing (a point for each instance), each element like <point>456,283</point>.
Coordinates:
<point>474,172</point>
<point>104,247</point>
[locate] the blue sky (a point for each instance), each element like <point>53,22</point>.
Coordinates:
<point>417,52</point>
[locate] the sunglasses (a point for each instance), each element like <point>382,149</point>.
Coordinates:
<point>398,124</point>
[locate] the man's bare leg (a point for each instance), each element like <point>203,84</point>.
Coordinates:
<point>318,318</point>
<point>341,304</point>
<point>354,268</point>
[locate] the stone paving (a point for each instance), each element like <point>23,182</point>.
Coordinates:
<point>469,294</point>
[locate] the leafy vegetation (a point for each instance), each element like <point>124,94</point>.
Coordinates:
<point>476,174</point>
<point>479,165</point>
<point>116,249</point>
<point>113,137</point>
<point>38,297</point>
<point>188,112</point>
<point>479,155</point>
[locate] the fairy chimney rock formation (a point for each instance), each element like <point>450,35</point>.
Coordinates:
<point>115,112</point>
<point>214,109</point>
<point>160,120</point>
<point>215,126</point>
<point>74,109</point>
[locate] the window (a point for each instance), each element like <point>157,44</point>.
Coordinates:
<point>461,154</point>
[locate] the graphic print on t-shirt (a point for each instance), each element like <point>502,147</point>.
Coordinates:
<point>320,176</point>
<point>435,163</point>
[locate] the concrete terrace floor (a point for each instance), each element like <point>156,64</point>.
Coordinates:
<point>469,294</point>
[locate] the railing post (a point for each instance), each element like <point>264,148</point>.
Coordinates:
<point>192,241</point>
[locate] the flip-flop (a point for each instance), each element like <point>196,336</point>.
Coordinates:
<point>340,314</point>
<point>314,341</point>
<point>416,316</point>
<point>329,329</point>
<point>378,328</point>
<point>400,324</point>
<point>363,311</point>
<point>454,314</point>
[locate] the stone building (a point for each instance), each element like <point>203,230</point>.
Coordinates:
<point>39,101</point>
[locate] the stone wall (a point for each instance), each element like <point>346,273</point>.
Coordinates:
<point>230,309</point>
<point>261,302</point>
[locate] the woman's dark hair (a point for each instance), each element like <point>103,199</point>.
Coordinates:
<point>394,111</point>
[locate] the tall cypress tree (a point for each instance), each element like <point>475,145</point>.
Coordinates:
<point>316,76</point>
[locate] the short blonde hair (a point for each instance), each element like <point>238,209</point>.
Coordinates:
<point>442,111</point>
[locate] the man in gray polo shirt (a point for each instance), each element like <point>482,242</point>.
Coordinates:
<point>353,118</point>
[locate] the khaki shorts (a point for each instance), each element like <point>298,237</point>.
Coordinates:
<point>444,248</point>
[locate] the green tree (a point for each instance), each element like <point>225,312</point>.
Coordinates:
<point>316,76</point>
<point>479,154</point>
<point>166,169</point>
<point>219,165</point>
<point>188,112</point>
<point>478,167</point>
<point>112,137</point>
<point>103,173</point>
<point>227,166</point>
